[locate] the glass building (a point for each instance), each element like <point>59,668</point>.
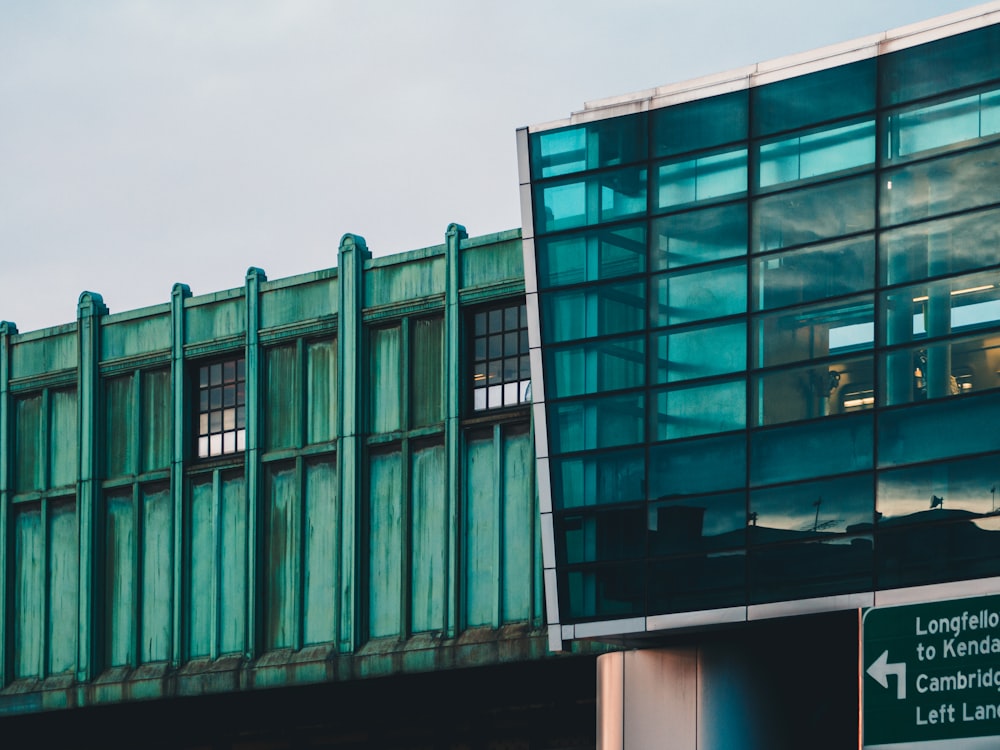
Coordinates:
<point>766,356</point>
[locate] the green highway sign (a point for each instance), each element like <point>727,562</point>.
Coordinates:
<point>931,675</point>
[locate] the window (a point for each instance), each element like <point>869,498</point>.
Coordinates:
<point>501,373</point>
<point>221,408</point>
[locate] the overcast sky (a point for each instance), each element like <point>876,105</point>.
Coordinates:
<point>145,142</point>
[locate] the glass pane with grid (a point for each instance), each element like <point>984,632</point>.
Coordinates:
<point>221,408</point>
<point>501,373</point>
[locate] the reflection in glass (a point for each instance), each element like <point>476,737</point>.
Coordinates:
<point>942,307</point>
<point>811,155</point>
<point>601,536</point>
<point>695,467</point>
<point>935,126</point>
<point>709,581</point>
<point>801,101</point>
<point>699,236</point>
<point>699,124</point>
<point>814,214</point>
<point>838,387</point>
<point>600,310</point>
<point>830,507</point>
<point>956,490</point>
<point>815,273</point>
<point>812,449</point>
<point>697,524</point>
<point>950,183</point>
<point>603,197</point>
<point>690,296</point>
<point>605,143</point>
<point>704,178</point>
<point>608,590</point>
<point>682,355</point>
<point>815,332</point>
<point>953,550</point>
<point>595,367</point>
<point>594,256</point>
<point>802,570</point>
<point>596,423</point>
<point>946,368</point>
<point>599,479</point>
<point>699,410</point>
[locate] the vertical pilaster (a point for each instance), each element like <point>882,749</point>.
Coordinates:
<point>88,320</point>
<point>255,542</point>
<point>351,257</point>
<point>7,330</point>
<point>178,424</point>
<point>452,412</point>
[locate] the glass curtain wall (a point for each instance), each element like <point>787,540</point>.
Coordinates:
<point>770,326</point>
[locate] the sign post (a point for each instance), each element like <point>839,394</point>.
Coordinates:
<point>931,676</point>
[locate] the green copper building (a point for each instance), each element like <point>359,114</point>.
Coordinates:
<point>625,478</point>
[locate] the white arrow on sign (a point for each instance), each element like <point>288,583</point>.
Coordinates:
<point>881,669</point>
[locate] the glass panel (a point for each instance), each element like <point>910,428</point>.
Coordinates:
<point>815,332</point>
<point>940,429</point>
<point>157,570</point>
<point>814,214</point>
<point>428,529</point>
<point>321,390</point>
<point>64,582</point>
<point>700,124</point>
<point>233,564</point>
<point>283,398</point>
<point>952,245</point>
<point>838,387</point>
<point>683,355</point>
<point>951,183</point>
<point>155,427</point>
<point>607,196</point>
<point>385,516</point>
<point>947,368</point>
<point>805,100</point>
<point>843,505</point>
<point>953,550</point>
<point>958,490</point>
<point>593,256</point>
<point>698,236</point>
<point>812,155</point>
<point>695,467</point>
<point>802,570</point>
<point>704,178</point>
<point>320,563</point>
<point>606,422</point>
<point>951,63</point>
<point>699,410</point>
<point>815,449</point>
<point>119,578</point>
<point>956,123</point>
<point>690,296</point>
<point>119,418</point>
<point>605,143</point>
<point>697,524</point>
<point>602,536</point>
<point>595,367</point>
<point>813,274</point>
<point>593,311</point>
<point>942,307</point>
<point>426,370</point>
<point>386,390</point>
<point>62,439</point>
<point>600,479</point>
<point>280,553</point>
<point>606,591</point>
<point>710,581</point>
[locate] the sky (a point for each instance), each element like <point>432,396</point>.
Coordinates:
<point>148,142</point>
